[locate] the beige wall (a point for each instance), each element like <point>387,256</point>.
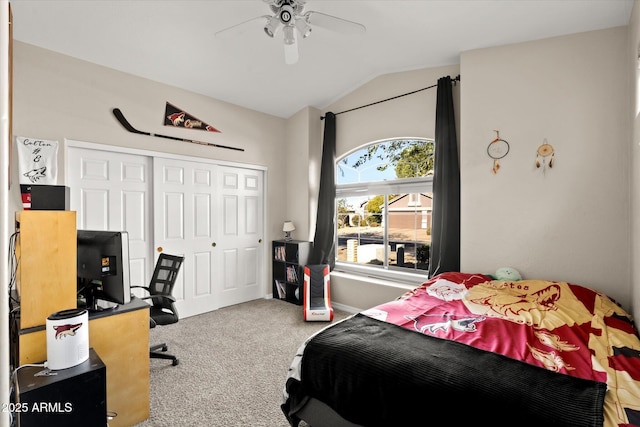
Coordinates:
<point>572,90</point>
<point>302,136</point>
<point>409,116</point>
<point>633,64</point>
<point>58,97</point>
<point>571,222</point>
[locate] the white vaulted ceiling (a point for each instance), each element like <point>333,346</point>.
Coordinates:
<point>173,41</point>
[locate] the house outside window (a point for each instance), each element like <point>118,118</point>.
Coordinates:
<point>383,205</point>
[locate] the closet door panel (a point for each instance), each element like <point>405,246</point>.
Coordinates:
<point>212,214</point>
<point>184,192</point>
<point>241,240</point>
<point>112,191</point>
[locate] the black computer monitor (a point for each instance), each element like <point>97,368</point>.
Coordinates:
<point>103,268</point>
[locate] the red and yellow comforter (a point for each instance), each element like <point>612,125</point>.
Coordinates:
<point>559,326</point>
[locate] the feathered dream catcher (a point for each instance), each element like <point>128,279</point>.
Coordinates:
<point>545,156</point>
<point>497,149</point>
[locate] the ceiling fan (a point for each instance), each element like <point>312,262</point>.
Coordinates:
<point>290,18</point>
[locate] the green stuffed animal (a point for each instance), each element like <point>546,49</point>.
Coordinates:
<point>507,273</point>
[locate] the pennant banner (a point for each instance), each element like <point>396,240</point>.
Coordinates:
<point>176,117</point>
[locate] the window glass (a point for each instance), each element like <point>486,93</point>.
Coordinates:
<point>384,202</point>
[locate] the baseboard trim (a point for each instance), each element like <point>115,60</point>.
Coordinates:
<point>347,308</point>
<point>335,305</point>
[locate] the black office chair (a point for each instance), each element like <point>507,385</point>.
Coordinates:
<point>163,310</point>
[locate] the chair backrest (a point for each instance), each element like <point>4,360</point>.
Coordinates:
<point>318,278</point>
<point>164,278</point>
<point>317,294</point>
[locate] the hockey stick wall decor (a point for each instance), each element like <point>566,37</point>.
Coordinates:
<point>127,126</point>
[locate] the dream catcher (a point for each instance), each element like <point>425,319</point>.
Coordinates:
<point>544,156</point>
<point>497,149</point>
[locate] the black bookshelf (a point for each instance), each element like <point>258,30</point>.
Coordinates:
<point>289,258</point>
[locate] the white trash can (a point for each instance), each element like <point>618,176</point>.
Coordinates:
<point>67,338</point>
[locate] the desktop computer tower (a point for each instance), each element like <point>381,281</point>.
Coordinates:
<point>72,397</point>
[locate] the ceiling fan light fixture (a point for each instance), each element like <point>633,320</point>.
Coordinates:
<point>272,26</point>
<point>289,35</point>
<point>290,16</point>
<point>303,27</point>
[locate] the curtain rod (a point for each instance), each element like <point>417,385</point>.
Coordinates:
<point>454,81</point>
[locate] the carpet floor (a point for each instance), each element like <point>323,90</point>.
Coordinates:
<point>233,365</point>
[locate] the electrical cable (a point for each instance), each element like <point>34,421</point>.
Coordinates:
<point>13,386</point>
<point>13,266</point>
<point>14,303</point>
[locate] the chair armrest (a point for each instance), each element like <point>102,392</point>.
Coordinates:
<point>167,297</point>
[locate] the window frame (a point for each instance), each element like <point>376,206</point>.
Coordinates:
<point>386,187</point>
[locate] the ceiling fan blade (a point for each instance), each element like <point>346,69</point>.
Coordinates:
<point>334,23</point>
<point>238,29</point>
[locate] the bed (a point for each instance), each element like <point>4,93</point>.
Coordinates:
<point>466,348</point>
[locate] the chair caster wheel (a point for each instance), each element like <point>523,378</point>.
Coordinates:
<point>175,362</point>
<point>165,348</point>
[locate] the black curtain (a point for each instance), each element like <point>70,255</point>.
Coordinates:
<point>445,227</point>
<point>324,239</point>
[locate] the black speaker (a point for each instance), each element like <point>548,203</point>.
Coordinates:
<point>50,197</point>
<point>70,397</point>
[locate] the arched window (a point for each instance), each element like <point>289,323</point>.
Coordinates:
<point>383,206</point>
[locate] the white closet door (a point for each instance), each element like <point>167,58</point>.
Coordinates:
<point>110,191</point>
<point>240,242</point>
<point>184,198</point>
<point>211,214</point>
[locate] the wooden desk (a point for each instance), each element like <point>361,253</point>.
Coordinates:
<point>121,339</point>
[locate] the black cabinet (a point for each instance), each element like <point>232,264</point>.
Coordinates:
<point>74,396</point>
<point>289,259</point>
